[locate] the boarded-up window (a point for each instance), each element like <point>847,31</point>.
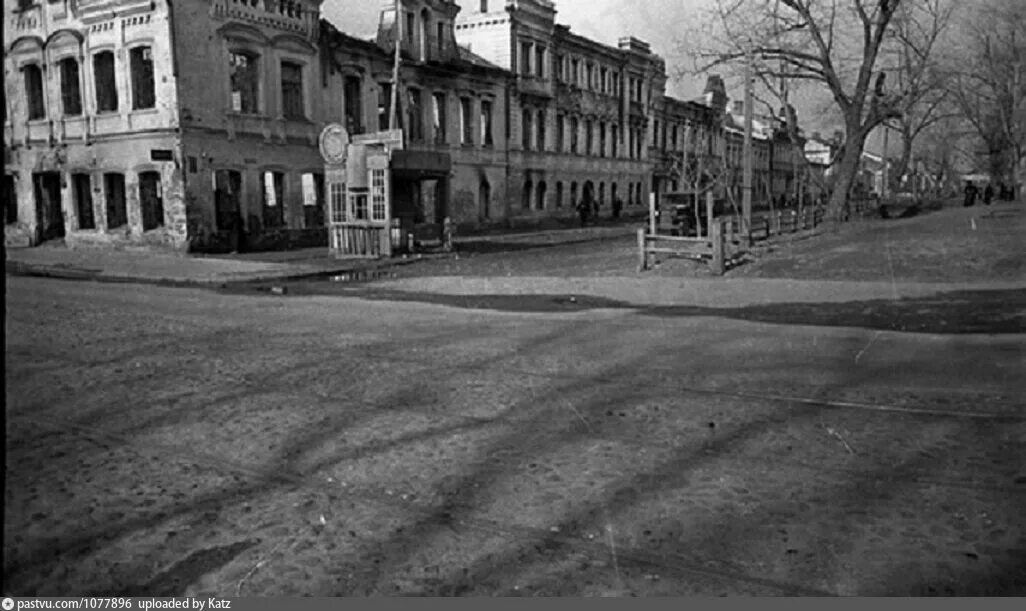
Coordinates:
<point>151,200</point>
<point>10,200</point>
<point>486,123</point>
<point>143,92</point>
<point>106,85</point>
<point>114,192</point>
<point>466,122</point>
<point>292,90</point>
<point>274,199</point>
<point>438,113</point>
<point>245,82</point>
<point>313,200</point>
<point>353,92</point>
<point>34,91</point>
<point>83,189</point>
<point>71,92</point>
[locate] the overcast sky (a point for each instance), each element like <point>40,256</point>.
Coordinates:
<point>665,24</point>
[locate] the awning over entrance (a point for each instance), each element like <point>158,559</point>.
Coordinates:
<point>424,163</point>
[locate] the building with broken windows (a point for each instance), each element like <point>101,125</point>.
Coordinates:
<point>91,124</point>
<point>184,125</point>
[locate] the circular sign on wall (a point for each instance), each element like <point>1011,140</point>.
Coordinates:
<point>334,143</point>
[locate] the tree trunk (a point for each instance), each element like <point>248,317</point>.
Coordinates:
<point>844,178</point>
<point>895,178</point>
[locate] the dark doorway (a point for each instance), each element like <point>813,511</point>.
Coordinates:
<point>117,206</point>
<point>485,196</point>
<point>83,189</point>
<point>10,200</point>
<point>49,215</point>
<point>151,200</point>
<point>227,206</point>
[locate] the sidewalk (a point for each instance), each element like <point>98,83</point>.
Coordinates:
<point>58,261</point>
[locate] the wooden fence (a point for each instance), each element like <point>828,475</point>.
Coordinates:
<point>726,240</point>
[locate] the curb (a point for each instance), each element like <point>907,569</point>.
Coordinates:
<point>61,272</point>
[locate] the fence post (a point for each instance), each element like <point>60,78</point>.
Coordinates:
<point>642,255</point>
<point>716,239</point>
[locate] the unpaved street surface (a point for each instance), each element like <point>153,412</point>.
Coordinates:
<point>167,441</point>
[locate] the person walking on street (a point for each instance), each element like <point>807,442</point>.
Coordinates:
<point>583,207</point>
<point>970,194</point>
<point>617,207</point>
<point>988,194</point>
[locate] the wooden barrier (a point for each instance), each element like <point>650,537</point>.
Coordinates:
<point>725,242</point>
<point>689,248</point>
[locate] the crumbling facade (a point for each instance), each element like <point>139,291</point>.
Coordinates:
<point>91,125</point>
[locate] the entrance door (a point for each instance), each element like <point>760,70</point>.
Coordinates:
<point>49,215</point>
<point>227,207</point>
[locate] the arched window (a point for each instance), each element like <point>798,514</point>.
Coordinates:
<point>573,194</point>
<point>528,190</point>
<point>559,195</point>
<point>540,205</point>
<point>602,193</point>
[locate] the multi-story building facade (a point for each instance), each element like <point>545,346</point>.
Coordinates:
<point>193,125</point>
<point>91,123</point>
<point>579,112</point>
<point>177,125</point>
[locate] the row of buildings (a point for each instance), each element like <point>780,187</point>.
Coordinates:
<point>193,125</point>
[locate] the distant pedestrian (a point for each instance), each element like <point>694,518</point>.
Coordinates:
<point>617,207</point>
<point>583,208</point>
<point>970,194</point>
<point>988,194</point>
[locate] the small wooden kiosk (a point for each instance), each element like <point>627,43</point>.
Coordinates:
<point>359,183</point>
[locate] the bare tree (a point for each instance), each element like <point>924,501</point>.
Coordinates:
<point>833,43</point>
<point>919,28</point>
<point>989,86</point>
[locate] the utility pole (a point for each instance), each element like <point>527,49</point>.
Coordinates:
<point>746,201</point>
<point>393,115</point>
<point>884,188</point>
